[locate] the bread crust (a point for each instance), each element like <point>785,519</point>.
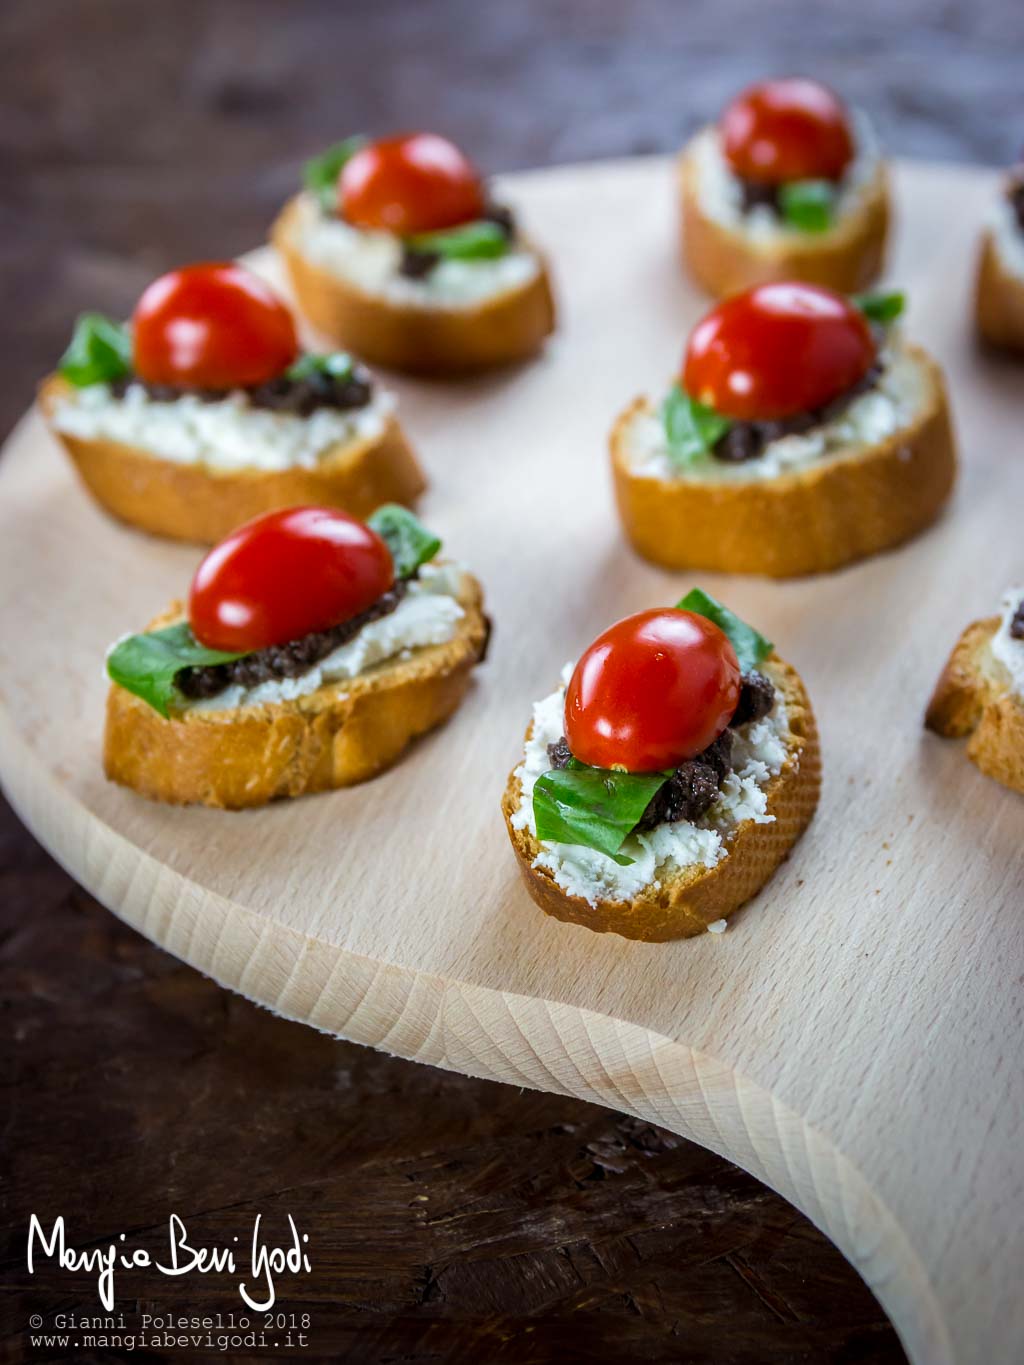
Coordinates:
<point>833,512</point>
<point>847,257</point>
<point>686,902</point>
<point>435,342</point>
<point>198,504</point>
<point>343,733</point>
<point>972,698</point>
<point>998,300</point>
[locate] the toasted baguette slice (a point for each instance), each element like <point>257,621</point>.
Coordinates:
<point>830,513</point>
<point>426,341</point>
<point>196,503</point>
<point>343,733</point>
<point>723,260</point>
<point>686,902</point>
<point>972,698</point>
<point>998,300</point>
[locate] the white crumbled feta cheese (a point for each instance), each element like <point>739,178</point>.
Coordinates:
<point>227,435</point>
<point>896,401</point>
<point>1007,236</point>
<point>1008,650</point>
<point>370,260</point>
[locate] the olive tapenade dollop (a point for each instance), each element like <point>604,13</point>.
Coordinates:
<point>299,397</point>
<point>1015,194</point>
<point>287,660</point>
<point>747,440</point>
<point>694,786</point>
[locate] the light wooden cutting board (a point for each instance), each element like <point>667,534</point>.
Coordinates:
<point>856,1037</point>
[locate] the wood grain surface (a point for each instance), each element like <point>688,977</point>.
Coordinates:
<point>109,1032</point>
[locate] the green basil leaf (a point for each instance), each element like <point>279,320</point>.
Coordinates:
<point>320,175</point>
<point>691,428</point>
<point>148,664</point>
<point>339,365</point>
<point>595,807</point>
<point>808,204</point>
<point>482,241</point>
<point>750,646</point>
<point>100,351</point>
<point>880,307</point>
<point>409,541</point>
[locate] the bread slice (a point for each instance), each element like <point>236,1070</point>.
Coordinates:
<point>998,299</point>
<point>199,504</point>
<point>426,341</point>
<point>839,509</point>
<point>972,698</point>
<point>724,260</point>
<point>687,901</point>
<point>343,733</point>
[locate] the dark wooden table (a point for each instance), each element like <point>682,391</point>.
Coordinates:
<point>449,1219</point>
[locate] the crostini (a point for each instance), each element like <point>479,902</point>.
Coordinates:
<point>204,413</point>
<point>396,251</point>
<point>802,434</point>
<point>667,777</point>
<point>980,695</point>
<point>789,185</point>
<point>999,294</point>
<point>313,650</point>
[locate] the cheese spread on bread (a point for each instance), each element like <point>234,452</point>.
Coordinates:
<point>1006,647</point>
<point>227,435</point>
<point>427,615</point>
<point>370,262</point>
<point>758,754</point>
<point>721,197</point>
<point>901,394</point>
<point>1007,237</point>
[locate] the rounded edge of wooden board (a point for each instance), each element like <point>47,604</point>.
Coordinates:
<point>490,1034</point>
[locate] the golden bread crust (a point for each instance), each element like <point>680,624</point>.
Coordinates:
<point>194,503</point>
<point>426,341</point>
<point>686,902</point>
<point>343,733</point>
<point>833,512</point>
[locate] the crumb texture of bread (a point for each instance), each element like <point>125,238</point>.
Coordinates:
<point>847,257</point>
<point>998,300</point>
<point>193,503</point>
<point>502,330</point>
<point>833,512</point>
<point>688,900</point>
<point>972,699</point>
<point>343,733</point>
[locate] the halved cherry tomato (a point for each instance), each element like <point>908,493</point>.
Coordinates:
<point>284,575</point>
<point>651,692</point>
<point>776,350</point>
<point>791,129</point>
<point>211,326</point>
<point>417,182</point>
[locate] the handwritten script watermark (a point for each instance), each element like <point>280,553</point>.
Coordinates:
<point>263,1261</point>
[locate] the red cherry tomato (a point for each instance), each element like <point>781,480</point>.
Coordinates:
<point>651,692</point>
<point>211,326</point>
<point>284,575</point>
<point>418,182</point>
<point>792,129</point>
<point>776,350</point>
